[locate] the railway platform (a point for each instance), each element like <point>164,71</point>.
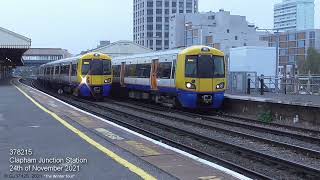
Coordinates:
<point>296,110</point>
<point>44,138</point>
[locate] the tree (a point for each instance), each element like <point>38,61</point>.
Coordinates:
<point>312,64</point>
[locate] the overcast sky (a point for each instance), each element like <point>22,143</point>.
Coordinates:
<point>79,25</point>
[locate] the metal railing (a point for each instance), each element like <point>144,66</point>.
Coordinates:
<point>249,82</point>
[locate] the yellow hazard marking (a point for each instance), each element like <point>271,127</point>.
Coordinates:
<point>141,147</point>
<point>109,134</point>
<point>109,153</point>
<point>209,178</point>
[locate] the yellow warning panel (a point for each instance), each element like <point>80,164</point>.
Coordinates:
<point>109,134</point>
<point>147,151</point>
<point>209,178</point>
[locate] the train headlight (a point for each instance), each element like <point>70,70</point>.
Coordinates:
<point>84,80</point>
<point>220,86</point>
<point>107,80</point>
<point>190,85</point>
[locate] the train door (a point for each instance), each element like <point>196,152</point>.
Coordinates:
<point>122,74</point>
<point>154,74</point>
<point>69,73</point>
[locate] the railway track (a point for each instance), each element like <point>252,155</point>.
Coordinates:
<point>149,127</point>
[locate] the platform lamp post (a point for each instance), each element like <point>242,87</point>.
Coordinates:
<point>276,32</point>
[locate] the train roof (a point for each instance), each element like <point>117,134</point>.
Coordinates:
<point>167,52</point>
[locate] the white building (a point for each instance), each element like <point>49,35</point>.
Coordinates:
<point>120,48</point>
<point>294,15</point>
<point>261,60</point>
<point>151,20</point>
<point>217,29</point>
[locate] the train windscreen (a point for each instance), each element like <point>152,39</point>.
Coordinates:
<point>96,67</point>
<point>204,66</point>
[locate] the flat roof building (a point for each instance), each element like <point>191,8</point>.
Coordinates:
<point>39,56</point>
<point>151,20</point>
<point>294,15</point>
<point>220,30</point>
<point>293,47</point>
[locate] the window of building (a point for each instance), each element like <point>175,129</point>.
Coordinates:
<point>292,51</point>
<point>166,42</point>
<point>292,59</point>
<point>159,11</point>
<point>301,43</point>
<point>158,42</point>
<point>209,40</point>
<point>283,52</point>
<point>158,34</point>
<point>166,20</point>
<point>159,19</point>
<point>166,11</point>
<point>312,43</point>
<point>292,37</point>
<point>211,17</point>
<point>292,44</point>
<point>174,4</point>
<point>149,12</point>
<point>236,38</point>
<point>164,71</point>
<point>159,27</point>
<point>283,37</point>
<point>283,44</point>
<point>301,35</point>
<point>166,4</point>
<point>149,19</point>
<point>149,27</point>
<point>149,4</point>
<point>174,11</point>
<point>228,30</point>
<point>301,51</point>
<point>159,3</point>
<point>312,35</point>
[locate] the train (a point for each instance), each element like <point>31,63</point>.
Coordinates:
<point>88,75</point>
<point>193,77</point>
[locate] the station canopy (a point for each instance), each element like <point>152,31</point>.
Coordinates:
<point>12,47</point>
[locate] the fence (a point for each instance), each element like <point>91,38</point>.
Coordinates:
<point>250,82</point>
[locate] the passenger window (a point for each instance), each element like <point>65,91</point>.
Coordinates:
<point>173,69</point>
<point>164,70</point>
<point>143,70</point>
<point>131,70</point>
<point>116,70</point>
<point>74,70</point>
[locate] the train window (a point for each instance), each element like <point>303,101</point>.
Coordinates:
<point>56,70</point>
<point>164,70</point>
<point>73,69</point>
<point>131,70</point>
<point>106,67</point>
<point>67,69</point>
<point>191,66</point>
<point>51,70</point>
<point>218,67</point>
<point>205,66</point>
<point>143,70</point>
<point>116,70</point>
<point>173,69</point>
<point>96,67</point>
<point>85,67</point>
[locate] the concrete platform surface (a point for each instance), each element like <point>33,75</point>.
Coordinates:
<point>108,151</point>
<point>290,99</point>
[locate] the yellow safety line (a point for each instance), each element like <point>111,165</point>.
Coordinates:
<point>109,153</point>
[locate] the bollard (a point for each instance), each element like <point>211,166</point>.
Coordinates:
<point>248,86</point>
<point>261,86</point>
